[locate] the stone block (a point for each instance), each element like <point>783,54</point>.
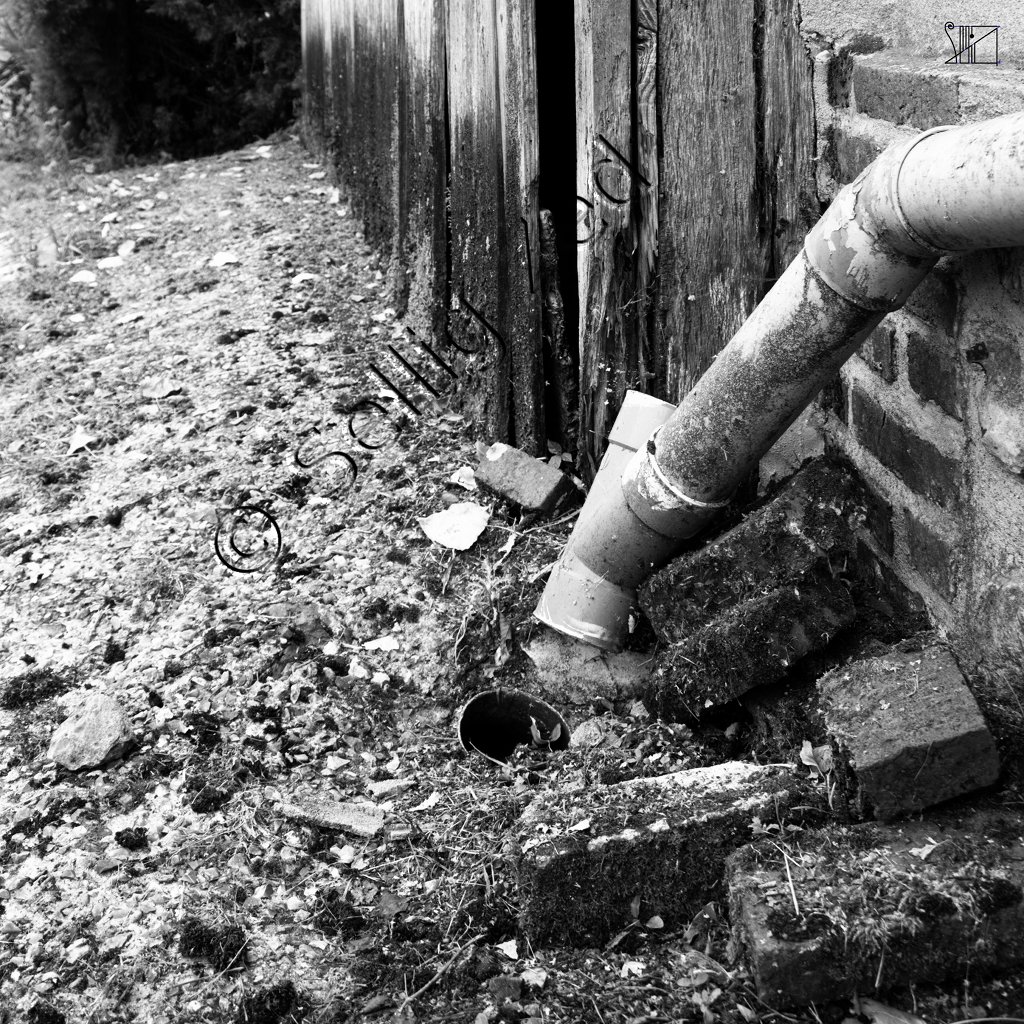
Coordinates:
<point>753,644</point>
<point>914,459</point>
<point>583,858</point>
<point>810,521</point>
<point>905,90</point>
<point>96,731</point>
<point>527,481</point>
<point>910,730</point>
<point>871,907</point>
<point>933,556</point>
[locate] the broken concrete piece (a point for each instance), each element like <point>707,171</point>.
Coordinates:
<point>584,857</point>
<point>911,730</point>
<point>574,673</point>
<point>95,732</point>
<point>355,819</point>
<point>384,789</point>
<point>753,644</point>
<point>810,523</point>
<point>521,478</point>
<point>875,907</point>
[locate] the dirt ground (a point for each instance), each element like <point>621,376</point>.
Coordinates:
<point>180,341</point>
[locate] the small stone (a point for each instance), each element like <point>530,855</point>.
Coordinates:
<point>385,788</point>
<point>357,819</point>
<point>505,988</point>
<point>522,479</point>
<point>911,730</point>
<point>97,731</point>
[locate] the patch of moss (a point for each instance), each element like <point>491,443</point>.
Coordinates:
<point>224,945</point>
<point>35,686</point>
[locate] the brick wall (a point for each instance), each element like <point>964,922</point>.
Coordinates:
<point>932,409</point>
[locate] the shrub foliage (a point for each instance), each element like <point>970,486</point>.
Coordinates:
<point>139,76</point>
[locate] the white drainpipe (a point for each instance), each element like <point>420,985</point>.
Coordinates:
<point>948,190</point>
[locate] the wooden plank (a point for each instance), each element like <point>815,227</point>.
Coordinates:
<point>479,292</point>
<point>423,246</point>
<point>712,256</point>
<point>788,132</point>
<point>313,73</point>
<point>646,213</point>
<point>517,88</point>
<point>609,186</point>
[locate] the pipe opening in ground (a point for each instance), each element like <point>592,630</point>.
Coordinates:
<point>495,722</point>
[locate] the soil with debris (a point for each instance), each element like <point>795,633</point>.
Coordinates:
<point>211,513</point>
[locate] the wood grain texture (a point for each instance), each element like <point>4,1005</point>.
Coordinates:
<point>608,184</point>
<point>313,74</point>
<point>788,113</point>
<point>712,256</point>
<point>517,88</point>
<point>423,245</point>
<point>479,292</point>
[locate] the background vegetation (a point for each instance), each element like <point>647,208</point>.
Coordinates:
<point>140,77</point>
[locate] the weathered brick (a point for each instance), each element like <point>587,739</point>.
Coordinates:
<point>932,369</point>
<point>910,729</point>
<point>753,644</point>
<point>905,90</point>
<point>879,351</point>
<point>872,913</point>
<point>916,461</point>
<point>879,520</point>
<point>583,858</point>
<point>832,398</point>
<point>932,556</point>
<point>521,478</point>
<point>811,519</point>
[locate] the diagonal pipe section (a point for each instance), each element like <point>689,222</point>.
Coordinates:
<point>948,190</point>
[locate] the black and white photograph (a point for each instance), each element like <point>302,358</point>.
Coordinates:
<point>511,512</point>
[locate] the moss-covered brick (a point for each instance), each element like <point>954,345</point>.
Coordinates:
<point>586,859</point>
<point>910,729</point>
<point>823,915</point>
<point>879,351</point>
<point>809,523</point>
<point>754,644</point>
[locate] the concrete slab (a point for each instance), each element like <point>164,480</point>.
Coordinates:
<point>584,858</point>
<point>910,730</point>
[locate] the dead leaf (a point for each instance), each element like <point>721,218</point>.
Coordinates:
<point>83,277</point>
<point>78,440</point>
<point>432,801</point>
<point>580,826</point>
<point>924,851</point>
<point>632,969</point>
<point>817,758</point>
<point>382,643</point>
<point>534,977</point>
<point>222,259</point>
<point>877,1013</point>
<point>457,527</point>
<point>109,263</point>
<point>510,949</point>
